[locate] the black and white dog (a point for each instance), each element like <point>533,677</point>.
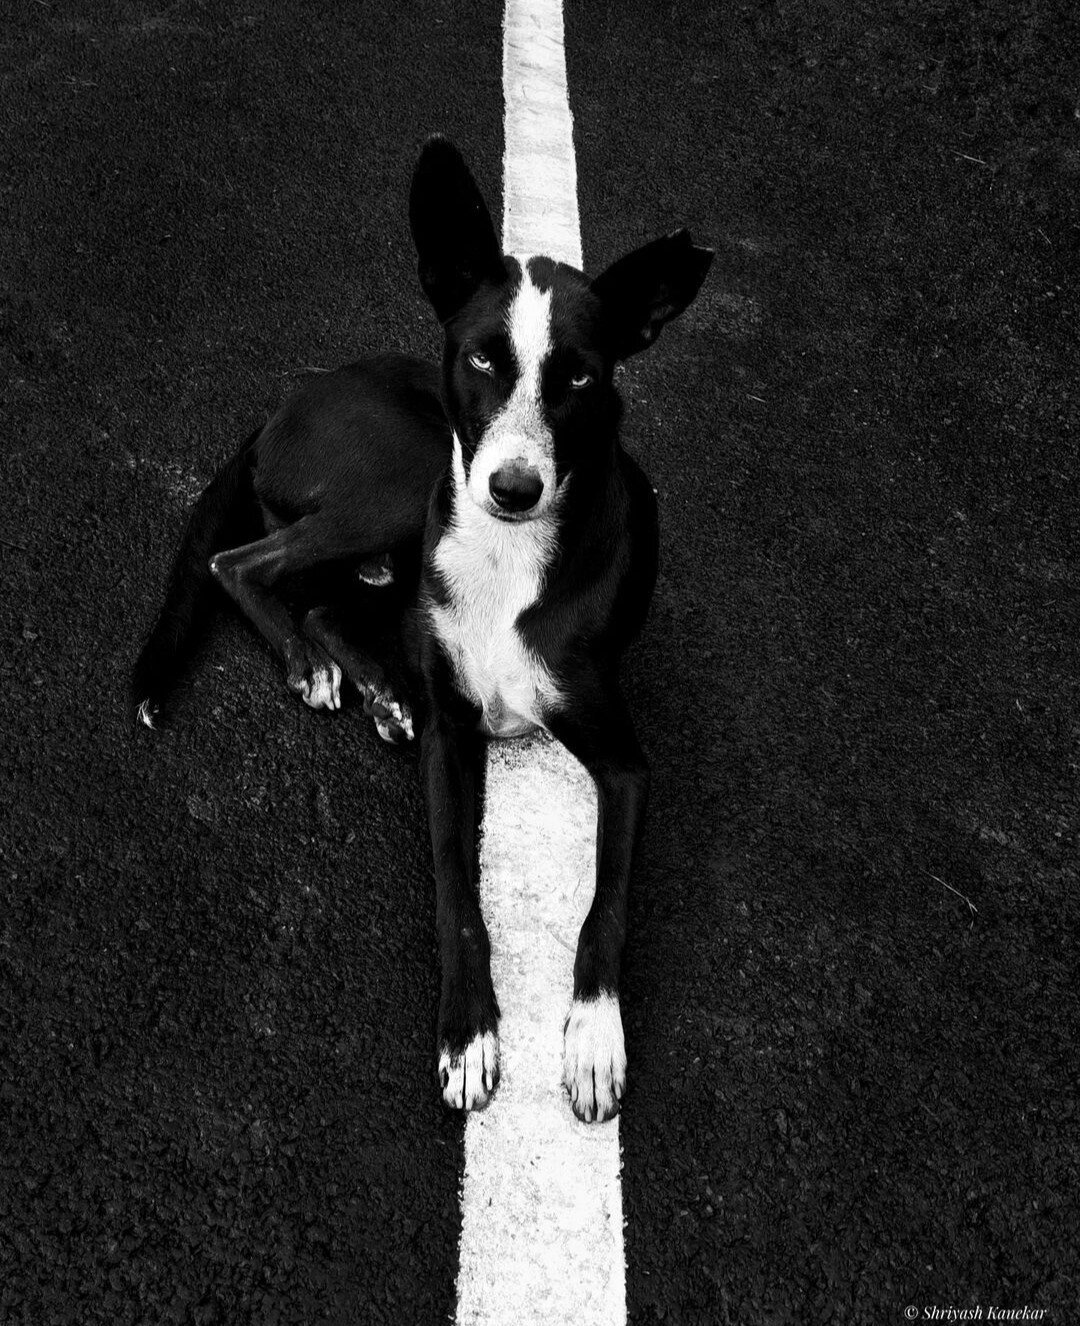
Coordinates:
<point>498,492</point>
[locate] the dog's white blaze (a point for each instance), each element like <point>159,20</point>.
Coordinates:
<point>529,324</point>
<point>541,1228</point>
<point>493,571</point>
<point>519,429</point>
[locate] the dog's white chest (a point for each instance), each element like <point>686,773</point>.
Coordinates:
<point>493,571</point>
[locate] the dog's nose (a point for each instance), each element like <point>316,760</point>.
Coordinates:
<point>516,486</point>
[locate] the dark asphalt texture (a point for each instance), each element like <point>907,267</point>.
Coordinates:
<point>851,988</point>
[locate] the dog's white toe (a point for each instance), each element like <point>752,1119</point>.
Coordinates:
<point>323,691</point>
<point>405,719</point>
<point>594,1058</point>
<point>469,1078</point>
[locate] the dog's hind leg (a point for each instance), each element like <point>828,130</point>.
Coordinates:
<point>383,699</point>
<point>249,575</point>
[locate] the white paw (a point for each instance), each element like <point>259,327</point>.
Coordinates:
<point>469,1078</point>
<point>392,719</point>
<point>594,1058</point>
<point>322,690</point>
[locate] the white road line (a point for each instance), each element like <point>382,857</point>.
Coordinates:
<point>540,207</point>
<point>542,1224</point>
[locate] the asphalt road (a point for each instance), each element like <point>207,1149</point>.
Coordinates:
<point>851,992</point>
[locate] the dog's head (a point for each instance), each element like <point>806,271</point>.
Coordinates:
<point>531,344</point>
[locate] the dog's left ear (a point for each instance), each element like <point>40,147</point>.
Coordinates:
<point>649,287</point>
<point>451,227</point>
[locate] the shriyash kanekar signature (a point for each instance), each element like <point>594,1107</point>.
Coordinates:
<point>974,1312</point>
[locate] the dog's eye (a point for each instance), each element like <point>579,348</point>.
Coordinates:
<point>580,381</point>
<point>480,362</point>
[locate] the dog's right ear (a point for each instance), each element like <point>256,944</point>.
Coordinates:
<point>451,227</point>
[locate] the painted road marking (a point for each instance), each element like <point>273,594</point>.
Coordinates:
<point>542,1224</point>
<point>540,207</point>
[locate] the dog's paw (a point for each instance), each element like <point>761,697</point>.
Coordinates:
<point>376,571</point>
<point>321,687</point>
<point>469,1078</point>
<point>594,1058</point>
<point>468,1039</point>
<point>393,718</point>
<point>312,674</point>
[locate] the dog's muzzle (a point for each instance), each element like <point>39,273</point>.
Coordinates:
<point>515,487</point>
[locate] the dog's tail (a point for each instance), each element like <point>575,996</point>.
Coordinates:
<point>224,516</point>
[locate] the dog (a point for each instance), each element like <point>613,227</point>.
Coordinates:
<point>523,541</point>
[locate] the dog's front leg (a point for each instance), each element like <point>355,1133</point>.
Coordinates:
<point>468,1045</point>
<point>600,734</point>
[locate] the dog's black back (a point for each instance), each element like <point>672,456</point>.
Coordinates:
<point>376,426</point>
